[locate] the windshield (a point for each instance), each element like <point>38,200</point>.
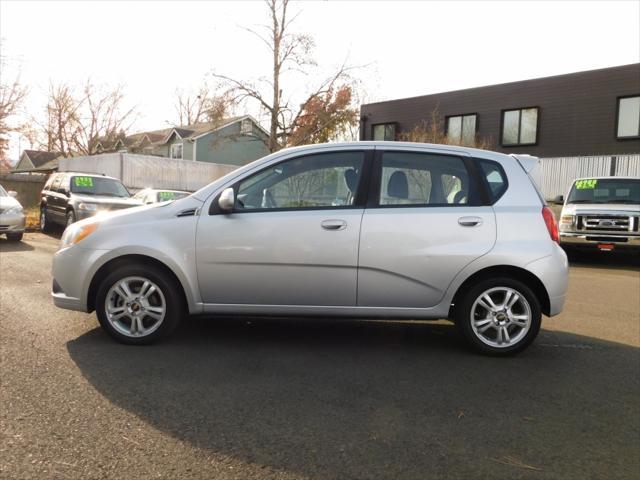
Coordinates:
<point>608,190</point>
<point>3,192</point>
<point>98,186</point>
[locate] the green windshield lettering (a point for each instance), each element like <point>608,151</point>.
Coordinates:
<point>588,184</point>
<point>83,181</point>
<point>166,195</point>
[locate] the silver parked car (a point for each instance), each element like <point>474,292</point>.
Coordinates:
<point>12,219</point>
<point>368,229</point>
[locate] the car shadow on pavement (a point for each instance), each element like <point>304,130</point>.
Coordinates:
<point>608,260</point>
<point>8,246</point>
<point>365,399</point>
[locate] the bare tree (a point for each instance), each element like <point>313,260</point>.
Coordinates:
<point>76,122</point>
<point>203,106</point>
<point>12,96</point>
<point>289,52</point>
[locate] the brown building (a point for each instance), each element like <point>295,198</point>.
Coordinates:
<point>595,112</point>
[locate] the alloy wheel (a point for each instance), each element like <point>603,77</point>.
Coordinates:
<point>135,306</point>
<point>501,317</point>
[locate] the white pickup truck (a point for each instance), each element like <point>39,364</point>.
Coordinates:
<point>601,213</point>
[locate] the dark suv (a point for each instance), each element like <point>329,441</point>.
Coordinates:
<point>69,196</point>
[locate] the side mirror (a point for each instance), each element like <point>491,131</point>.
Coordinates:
<point>12,193</point>
<point>227,200</point>
<point>559,200</point>
<point>63,191</point>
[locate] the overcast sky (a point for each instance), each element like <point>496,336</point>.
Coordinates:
<point>410,48</point>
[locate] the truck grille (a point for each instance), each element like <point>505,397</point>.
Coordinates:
<point>607,223</point>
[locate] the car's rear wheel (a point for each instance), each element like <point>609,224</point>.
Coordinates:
<point>139,304</point>
<point>45,224</point>
<point>499,316</point>
<point>14,237</point>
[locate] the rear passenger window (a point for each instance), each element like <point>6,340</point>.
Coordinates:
<point>56,183</point>
<point>423,179</point>
<point>495,177</point>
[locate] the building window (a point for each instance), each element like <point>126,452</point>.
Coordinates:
<point>384,131</point>
<point>461,129</point>
<point>520,127</point>
<point>628,125</point>
<point>176,150</point>
<point>246,127</point>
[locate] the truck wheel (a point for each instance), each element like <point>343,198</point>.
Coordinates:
<point>45,224</point>
<point>14,237</point>
<point>71,217</point>
<point>499,316</point>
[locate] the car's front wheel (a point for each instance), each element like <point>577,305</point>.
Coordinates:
<point>139,304</point>
<point>14,237</point>
<point>45,224</point>
<point>499,316</point>
<point>71,217</point>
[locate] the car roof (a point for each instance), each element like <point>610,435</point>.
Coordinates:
<point>85,174</point>
<point>607,177</point>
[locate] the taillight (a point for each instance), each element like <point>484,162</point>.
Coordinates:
<point>550,222</point>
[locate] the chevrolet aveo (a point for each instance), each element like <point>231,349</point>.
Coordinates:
<point>361,230</point>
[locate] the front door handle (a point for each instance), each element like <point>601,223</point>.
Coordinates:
<point>333,224</point>
<point>470,221</point>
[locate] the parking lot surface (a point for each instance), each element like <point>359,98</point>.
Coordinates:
<point>284,399</point>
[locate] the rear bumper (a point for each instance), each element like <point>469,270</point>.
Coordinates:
<point>588,240</point>
<point>553,272</point>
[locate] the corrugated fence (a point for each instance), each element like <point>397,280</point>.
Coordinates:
<point>559,173</point>
<point>141,171</point>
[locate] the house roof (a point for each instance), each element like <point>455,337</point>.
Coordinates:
<point>39,158</point>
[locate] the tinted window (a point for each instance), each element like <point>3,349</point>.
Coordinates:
<point>88,185</point>
<point>56,182</point>
<point>596,190</point>
<point>629,117</point>
<point>495,177</point>
<point>461,130</point>
<point>520,127</point>
<point>423,179</point>
<point>384,131</point>
<point>321,180</point>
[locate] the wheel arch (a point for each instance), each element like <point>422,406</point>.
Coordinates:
<point>129,259</point>
<point>521,274</point>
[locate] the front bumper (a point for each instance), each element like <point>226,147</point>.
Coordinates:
<point>594,239</point>
<point>12,223</point>
<point>72,271</point>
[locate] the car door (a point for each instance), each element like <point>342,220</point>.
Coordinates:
<point>292,238</point>
<point>423,224</point>
<point>56,201</point>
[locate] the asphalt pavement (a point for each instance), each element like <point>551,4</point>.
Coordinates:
<point>284,399</point>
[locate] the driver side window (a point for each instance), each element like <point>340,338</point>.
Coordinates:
<point>313,181</point>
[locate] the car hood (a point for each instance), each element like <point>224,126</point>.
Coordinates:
<point>8,202</point>
<point>106,200</point>
<point>611,208</point>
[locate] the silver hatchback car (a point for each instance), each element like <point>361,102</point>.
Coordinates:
<point>357,230</point>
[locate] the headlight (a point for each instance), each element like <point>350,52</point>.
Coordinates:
<point>76,232</point>
<point>89,207</point>
<point>14,210</point>
<point>566,221</point>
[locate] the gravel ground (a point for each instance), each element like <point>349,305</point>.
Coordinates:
<point>237,399</point>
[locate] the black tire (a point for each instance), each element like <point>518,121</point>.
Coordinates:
<point>71,217</point>
<point>45,222</point>
<point>463,314</point>
<point>14,237</point>
<point>170,289</point>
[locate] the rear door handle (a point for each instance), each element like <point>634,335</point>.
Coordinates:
<point>470,221</point>
<point>333,224</point>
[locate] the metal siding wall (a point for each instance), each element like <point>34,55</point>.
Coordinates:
<point>106,164</point>
<point>628,165</point>
<point>141,171</point>
<point>559,173</point>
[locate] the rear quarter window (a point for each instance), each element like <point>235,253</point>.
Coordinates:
<point>495,179</point>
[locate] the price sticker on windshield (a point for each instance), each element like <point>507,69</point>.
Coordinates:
<point>83,181</point>
<point>587,184</point>
<point>166,196</point>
